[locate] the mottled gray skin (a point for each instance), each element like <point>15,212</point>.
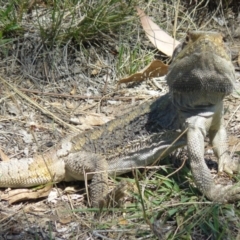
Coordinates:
<point>136,139</point>
<point>199,77</point>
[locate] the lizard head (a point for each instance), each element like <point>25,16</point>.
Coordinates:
<point>199,41</point>
<point>201,67</point>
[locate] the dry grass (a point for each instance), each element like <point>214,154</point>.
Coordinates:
<point>68,48</point>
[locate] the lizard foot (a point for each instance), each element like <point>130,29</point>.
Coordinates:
<point>224,194</point>
<point>115,197</point>
<point>229,165</point>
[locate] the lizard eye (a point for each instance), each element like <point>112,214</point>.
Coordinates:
<point>187,39</point>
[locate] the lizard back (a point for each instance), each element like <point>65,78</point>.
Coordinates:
<point>138,128</point>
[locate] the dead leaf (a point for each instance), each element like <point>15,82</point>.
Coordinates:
<point>123,221</point>
<point>73,91</point>
<point>70,190</point>
<point>94,120</point>
<point>17,195</point>
<point>155,69</point>
<point>70,105</point>
<point>3,156</point>
<point>160,39</point>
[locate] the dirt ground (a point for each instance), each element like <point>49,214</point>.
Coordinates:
<point>79,92</point>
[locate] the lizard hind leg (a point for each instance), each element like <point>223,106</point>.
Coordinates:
<point>84,166</point>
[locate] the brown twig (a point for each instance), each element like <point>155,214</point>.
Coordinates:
<point>82,96</point>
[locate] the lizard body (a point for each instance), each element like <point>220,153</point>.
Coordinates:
<point>135,139</point>
<point>198,81</point>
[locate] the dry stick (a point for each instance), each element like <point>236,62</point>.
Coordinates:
<point>82,96</point>
<point>162,154</point>
<point>175,22</point>
<point>212,16</point>
<point>183,163</point>
<point>45,111</point>
<point>232,115</point>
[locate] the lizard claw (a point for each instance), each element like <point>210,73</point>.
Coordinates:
<point>115,197</point>
<point>229,166</point>
<point>224,194</point>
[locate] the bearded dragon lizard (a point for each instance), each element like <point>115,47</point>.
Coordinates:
<point>200,76</point>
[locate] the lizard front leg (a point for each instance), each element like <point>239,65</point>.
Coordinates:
<point>219,141</point>
<point>202,176</point>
